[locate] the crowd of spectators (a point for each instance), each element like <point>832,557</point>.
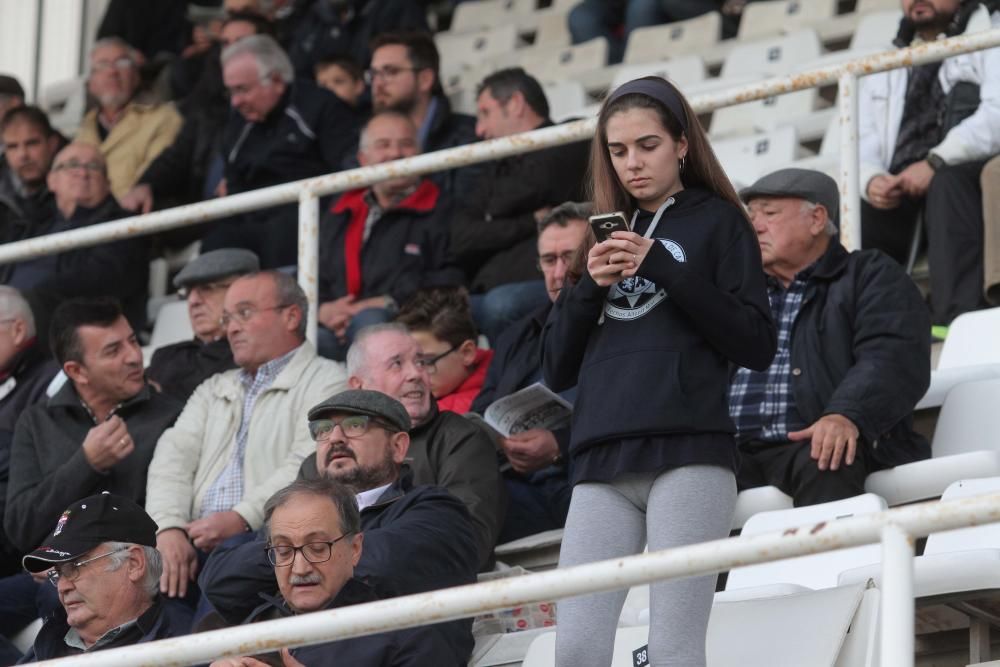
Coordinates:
<point>245,474</point>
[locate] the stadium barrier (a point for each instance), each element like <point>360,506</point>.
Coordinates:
<point>895,528</point>
<point>307,191</point>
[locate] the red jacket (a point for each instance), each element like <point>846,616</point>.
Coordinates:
<point>461,399</point>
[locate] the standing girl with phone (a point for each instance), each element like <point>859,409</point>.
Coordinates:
<point>648,335</point>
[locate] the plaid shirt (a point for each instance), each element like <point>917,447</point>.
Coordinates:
<point>762,403</point>
<point>227,490</point>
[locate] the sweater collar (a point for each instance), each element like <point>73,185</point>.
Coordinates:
<point>421,200</point>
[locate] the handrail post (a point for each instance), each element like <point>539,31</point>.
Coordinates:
<point>896,619</point>
<point>308,264</point>
<point>850,194</point>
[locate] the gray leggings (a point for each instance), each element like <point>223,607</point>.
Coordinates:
<point>678,507</point>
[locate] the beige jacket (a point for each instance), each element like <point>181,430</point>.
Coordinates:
<point>143,132</point>
<point>193,453</point>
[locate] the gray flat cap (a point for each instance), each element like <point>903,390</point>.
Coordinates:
<point>217,264</point>
<point>365,402</point>
<point>812,186</point>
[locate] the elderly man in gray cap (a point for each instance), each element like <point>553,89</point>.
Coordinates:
<point>853,351</point>
<point>178,369</point>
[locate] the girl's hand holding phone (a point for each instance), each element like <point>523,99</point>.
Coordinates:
<point>628,250</point>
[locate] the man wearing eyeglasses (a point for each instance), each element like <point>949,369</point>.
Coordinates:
<point>102,560</point>
<point>241,436</point>
<point>537,477</point>
<point>79,185</point>
<point>130,134</point>
<point>416,538</point>
<point>178,369</point>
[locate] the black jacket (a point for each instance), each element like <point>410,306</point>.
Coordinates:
<point>19,213</point>
<point>48,469</point>
<point>406,249</point>
<point>416,539</point>
<point>448,130</point>
<point>416,647</point>
<point>157,622</point>
<point>493,231</point>
<point>651,355</point>
<point>25,385</point>
<point>179,368</point>
<point>119,269</point>
<point>309,132</point>
<point>861,344</point>
<point>326,32</point>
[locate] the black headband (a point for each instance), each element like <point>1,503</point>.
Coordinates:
<point>661,92</point>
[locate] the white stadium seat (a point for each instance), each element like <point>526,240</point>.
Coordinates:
<point>672,40</point>
<point>747,158</point>
<point>774,56</point>
<point>489,13</point>
<point>566,98</point>
<point>553,28</point>
<point>682,71</point>
<point>767,113</point>
<point>554,65</point>
<point>763,19</point>
<point>972,340</point>
<point>468,50</point>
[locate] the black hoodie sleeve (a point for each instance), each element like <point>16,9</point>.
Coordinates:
<point>732,313</point>
<point>567,330</point>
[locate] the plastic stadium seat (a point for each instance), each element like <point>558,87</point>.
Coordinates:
<point>773,57</point>
<point>746,159</point>
<point>65,102</point>
<point>489,13</point>
<point>682,71</point>
<point>769,112</point>
<point>566,98</point>
<point>548,65</point>
<point>463,51</point>
<point>553,28</point>
<point>874,34</point>
<point>24,639</point>
<point>963,447</point>
<point>172,325</point>
<point>763,19</point>
<point>814,571</point>
<point>972,340</point>
<point>671,40</point>
<point>534,552</point>
<point>760,499</point>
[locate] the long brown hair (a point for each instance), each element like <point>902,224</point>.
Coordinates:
<point>701,169</point>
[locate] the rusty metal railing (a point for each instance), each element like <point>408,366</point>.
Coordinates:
<point>307,192</point>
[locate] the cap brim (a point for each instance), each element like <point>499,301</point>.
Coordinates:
<point>45,557</point>
<point>746,194</point>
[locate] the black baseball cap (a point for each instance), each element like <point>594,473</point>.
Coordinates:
<point>88,523</point>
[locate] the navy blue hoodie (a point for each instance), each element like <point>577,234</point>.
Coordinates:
<point>650,356</point>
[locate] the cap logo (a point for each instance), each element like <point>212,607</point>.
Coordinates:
<point>62,522</point>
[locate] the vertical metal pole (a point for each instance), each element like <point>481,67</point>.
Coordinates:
<point>897,626</point>
<point>308,267</point>
<point>850,192</point>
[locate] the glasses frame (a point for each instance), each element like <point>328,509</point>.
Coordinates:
<point>393,71</point>
<point>53,574</point>
<point>272,558</point>
<point>185,292</point>
<point>368,421</point>
<point>429,364</point>
<point>225,318</point>
<point>93,166</point>
<point>566,257</point>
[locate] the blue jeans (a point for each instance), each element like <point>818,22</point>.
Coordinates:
<point>331,347</point>
<point>495,310</point>
<point>535,503</point>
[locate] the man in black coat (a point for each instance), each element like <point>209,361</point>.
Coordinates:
<point>853,352</point>
<point>29,144</point>
<point>415,538</point>
<point>25,374</point>
<point>382,243</point>
<point>281,129</point>
<point>493,231</point>
<point>535,470</point>
<point>97,433</point>
<point>178,369</point>
<point>405,76</point>
<point>82,197</point>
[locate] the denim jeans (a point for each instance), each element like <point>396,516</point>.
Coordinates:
<point>495,310</point>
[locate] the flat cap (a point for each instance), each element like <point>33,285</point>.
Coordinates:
<point>807,184</point>
<point>10,86</point>
<point>365,402</point>
<point>217,264</point>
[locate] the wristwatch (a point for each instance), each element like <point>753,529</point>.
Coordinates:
<point>936,161</point>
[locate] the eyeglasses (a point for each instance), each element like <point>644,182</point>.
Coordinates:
<point>387,72</point>
<point>243,314</point>
<point>430,363</point>
<point>94,166</point>
<point>122,63</point>
<point>71,571</point>
<point>354,426</point>
<point>204,288</point>
<point>313,552</point>
<point>549,261</point>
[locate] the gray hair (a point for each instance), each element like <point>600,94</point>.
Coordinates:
<point>566,212</point>
<point>14,306</point>
<point>267,53</point>
<point>809,206</point>
<point>133,53</point>
<point>363,140</point>
<point>325,487</point>
<point>154,564</point>
<point>357,353</point>
<point>290,293</point>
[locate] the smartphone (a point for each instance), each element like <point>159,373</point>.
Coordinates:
<point>606,223</point>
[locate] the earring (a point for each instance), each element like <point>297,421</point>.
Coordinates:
<point>682,163</point>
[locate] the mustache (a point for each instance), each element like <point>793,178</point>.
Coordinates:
<point>304,579</point>
<point>339,450</point>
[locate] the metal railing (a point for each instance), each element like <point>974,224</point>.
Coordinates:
<point>308,191</point>
<point>895,528</point>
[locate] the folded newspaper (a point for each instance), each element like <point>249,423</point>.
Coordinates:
<point>536,406</point>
